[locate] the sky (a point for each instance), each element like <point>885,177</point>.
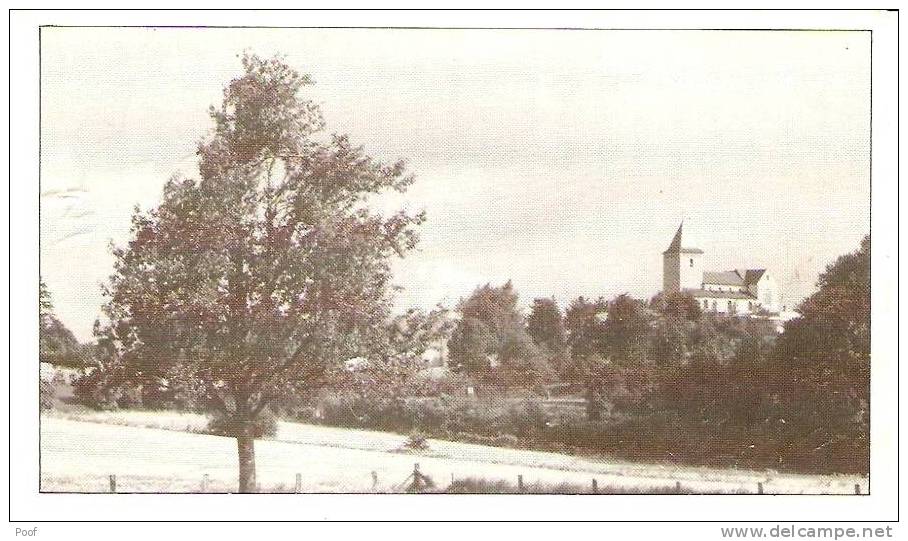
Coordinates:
<point>561,160</point>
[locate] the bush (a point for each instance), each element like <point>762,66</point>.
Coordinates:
<point>443,415</point>
<point>656,435</point>
<point>527,418</point>
<point>265,426</point>
<point>505,440</point>
<point>416,441</point>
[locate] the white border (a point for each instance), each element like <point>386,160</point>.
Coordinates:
<point>28,505</point>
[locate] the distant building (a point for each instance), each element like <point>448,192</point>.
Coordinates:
<point>733,292</point>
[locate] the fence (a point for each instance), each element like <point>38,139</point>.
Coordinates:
<point>419,482</point>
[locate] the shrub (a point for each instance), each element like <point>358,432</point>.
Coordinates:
<point>527,418</point>
<point>505,440</point>
<point>416,441</point>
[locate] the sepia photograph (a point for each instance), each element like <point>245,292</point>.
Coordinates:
<point>433,260</point>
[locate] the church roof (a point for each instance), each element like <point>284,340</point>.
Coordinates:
<point>723,278</point>
<point>744,277</point>
<point>753,276</point>
<point>677,246</point>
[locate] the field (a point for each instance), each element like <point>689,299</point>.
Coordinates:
<point>161,452</point>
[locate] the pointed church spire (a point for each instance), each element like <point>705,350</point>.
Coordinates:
<point>677,246</point>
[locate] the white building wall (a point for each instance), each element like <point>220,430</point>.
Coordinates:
<point>681,271</point>
<point>767,292</point>
<point>691,270</point>
<point>726,305</point>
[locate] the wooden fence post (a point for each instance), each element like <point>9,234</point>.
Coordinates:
<point>520,483</point>
<point>113,483</point>
<point>678,487</point>
<point>420,482</point>
<point>374,480</point>
<point>299,484</point>
<point>204,485</point>
<point>595,487</point>
<point>759,488</point>
<point>857,488</point>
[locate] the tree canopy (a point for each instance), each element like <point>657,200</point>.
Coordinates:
<point>819,371</point>
<point>491,340</point>
<point>256,280</point>
<point>545,325</point>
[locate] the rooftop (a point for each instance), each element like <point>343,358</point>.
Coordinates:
<point>723,278</point>
<point>740,278</point>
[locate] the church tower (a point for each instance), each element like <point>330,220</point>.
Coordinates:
<point>682,265</point>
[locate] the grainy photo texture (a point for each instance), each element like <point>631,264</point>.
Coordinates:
<point>511,261</point>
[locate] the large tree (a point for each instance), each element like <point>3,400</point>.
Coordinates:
<point>545,324</point>
<point>821,365</point>
<point>491,340</point>
<point>585,326</point>
<point>488,318</point>
<point>255,281</point>
<point>627,330</point>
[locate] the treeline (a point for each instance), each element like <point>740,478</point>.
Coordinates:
<point>588,345</point>
<point>711,388</point>
<point>662,381</point>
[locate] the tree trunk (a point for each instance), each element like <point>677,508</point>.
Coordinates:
<point>593,403</point>
<point>245,446</point>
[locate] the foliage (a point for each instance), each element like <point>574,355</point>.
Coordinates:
<point>103,388</point>
<point>471,346</point>
<point>264,426</point>
<point>57,344</point>
<point>416,441</point>
<point>608,341</point>
<point>585,325</point>
<point>489,318</point>
<point>492,421</point>
<point>545,325</point>
<point>491,341</point>
<point>627,330</point>
<point>676,305</point>
<point>665,382</point>
<point>674,436</point>
<point>820,368</point>
<point>797,400</point>
<point>257,280</point>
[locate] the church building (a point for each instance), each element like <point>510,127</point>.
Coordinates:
<point>733,292</point>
